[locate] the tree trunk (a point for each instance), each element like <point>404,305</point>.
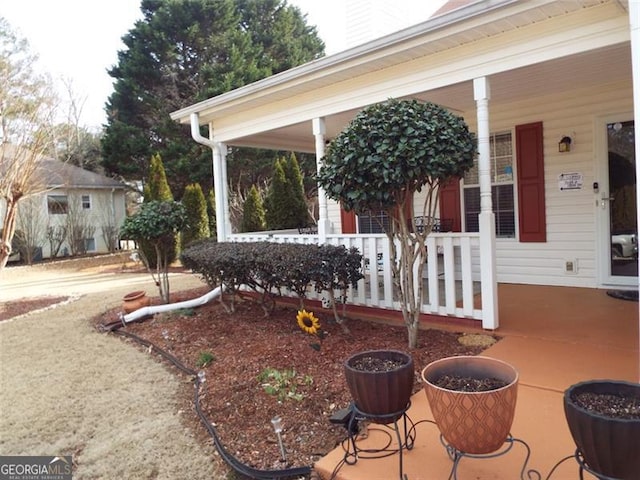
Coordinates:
<point>412,332</point>
<point>8,229</point>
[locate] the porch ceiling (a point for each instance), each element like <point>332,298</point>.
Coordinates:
<point>597,67</point>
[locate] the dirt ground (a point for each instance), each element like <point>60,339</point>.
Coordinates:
<point>66,389</point>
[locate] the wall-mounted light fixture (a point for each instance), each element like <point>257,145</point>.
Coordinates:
<point>564,145</point>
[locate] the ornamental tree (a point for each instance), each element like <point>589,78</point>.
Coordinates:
<point>387,153</point>
<point>211,212</point>
<point>197,218</point>
<point>157,189</point>
<point>157,223</point>
<point>253,212</point>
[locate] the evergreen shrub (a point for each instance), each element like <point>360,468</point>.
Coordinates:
<point>270,268</point>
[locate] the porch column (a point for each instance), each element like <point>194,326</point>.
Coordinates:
<point>487,221</point>
<point>634,24</point>
<point>220,191</point>
<point>225,186</point>
<point>324,226</point>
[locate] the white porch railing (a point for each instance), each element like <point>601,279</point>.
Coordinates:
<point>451,276</point>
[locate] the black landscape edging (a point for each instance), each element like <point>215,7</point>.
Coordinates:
<point>231,460</point>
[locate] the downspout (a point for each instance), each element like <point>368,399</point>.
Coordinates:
<point>218,180</point>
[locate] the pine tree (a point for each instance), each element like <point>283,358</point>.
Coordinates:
<point>197,221</point>
<point>211,212</point>
<point>184,51</point>
<point>286,205</point>
<point>253,215</point>
<point>298,212</point>
<point>158,186</point>
<point>277,203</point>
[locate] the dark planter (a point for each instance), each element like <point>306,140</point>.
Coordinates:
<point>381,394</point>
<point>472,422</point>
<point>609,446</point>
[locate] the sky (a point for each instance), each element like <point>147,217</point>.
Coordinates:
<point>79,40</point>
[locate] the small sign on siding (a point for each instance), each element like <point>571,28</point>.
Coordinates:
<point>570,181</point>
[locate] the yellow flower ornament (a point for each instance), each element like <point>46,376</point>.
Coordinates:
<point>308,322</point>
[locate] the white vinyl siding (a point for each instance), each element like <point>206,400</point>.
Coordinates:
<point>570,214</point>
<point>55,205</point>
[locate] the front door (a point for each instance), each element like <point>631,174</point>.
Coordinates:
<point>617,204</point>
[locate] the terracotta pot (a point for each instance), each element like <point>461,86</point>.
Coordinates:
<point>609,446</point>
<point>381,394</point>
<point>472,422</point>
<point>135,300</point>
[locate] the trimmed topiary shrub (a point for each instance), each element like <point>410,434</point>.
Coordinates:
<point>387,153</point>
<point>270,268</point>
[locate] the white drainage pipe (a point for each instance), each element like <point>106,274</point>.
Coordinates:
<point>196,302</point>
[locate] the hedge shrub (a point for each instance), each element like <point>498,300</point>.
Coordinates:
<point>270,268</point>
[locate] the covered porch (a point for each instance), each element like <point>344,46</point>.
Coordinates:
<point>564,68</point>
<point>554,337</point>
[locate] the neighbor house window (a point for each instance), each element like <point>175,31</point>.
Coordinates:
<point>502,191</point>
<point>90,244</point>
<point>86,202</point>
<point>57,204</point>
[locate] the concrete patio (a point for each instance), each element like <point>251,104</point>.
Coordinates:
<point>555,337</point>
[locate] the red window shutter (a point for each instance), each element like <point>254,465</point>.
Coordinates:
<point>531,205</point>
<point>348,221</point>
<point>449,203</point>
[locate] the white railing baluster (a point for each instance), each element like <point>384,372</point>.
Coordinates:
<point>443,263</point>
<point>432,275</point>
<point>467,278</point>
<point>372,247</point>
<point>449,275</point>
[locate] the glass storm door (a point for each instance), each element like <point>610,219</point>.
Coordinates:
<point>619,204</point>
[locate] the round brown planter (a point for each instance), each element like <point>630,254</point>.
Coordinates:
<point>135,300</point>
<point>609,446</point>
<point>381,394</point>
<point>472,422</point>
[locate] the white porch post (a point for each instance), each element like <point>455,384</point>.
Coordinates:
<point>634,24</point>
<point>220,190</point>
<point>324,226</point>
<point>225,187</point>
<point>487,219</point>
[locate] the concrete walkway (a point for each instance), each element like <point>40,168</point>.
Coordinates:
<point>554,337</point>
<point>66,389</point>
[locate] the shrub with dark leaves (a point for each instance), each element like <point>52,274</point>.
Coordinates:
<point>270,268</point>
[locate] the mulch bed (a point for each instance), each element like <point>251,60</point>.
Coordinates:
<point>261,367</point>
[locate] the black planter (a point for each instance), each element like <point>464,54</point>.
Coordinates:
<point>609,446</point>
<point>381,396</point>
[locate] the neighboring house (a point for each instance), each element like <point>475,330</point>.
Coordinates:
<point>77,212</point>
<point>549,88</point>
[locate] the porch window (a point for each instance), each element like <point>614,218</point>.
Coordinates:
<point>86,202</point>
<point>57,204</point>
<point>373,222</point>
<point>502,191</point>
